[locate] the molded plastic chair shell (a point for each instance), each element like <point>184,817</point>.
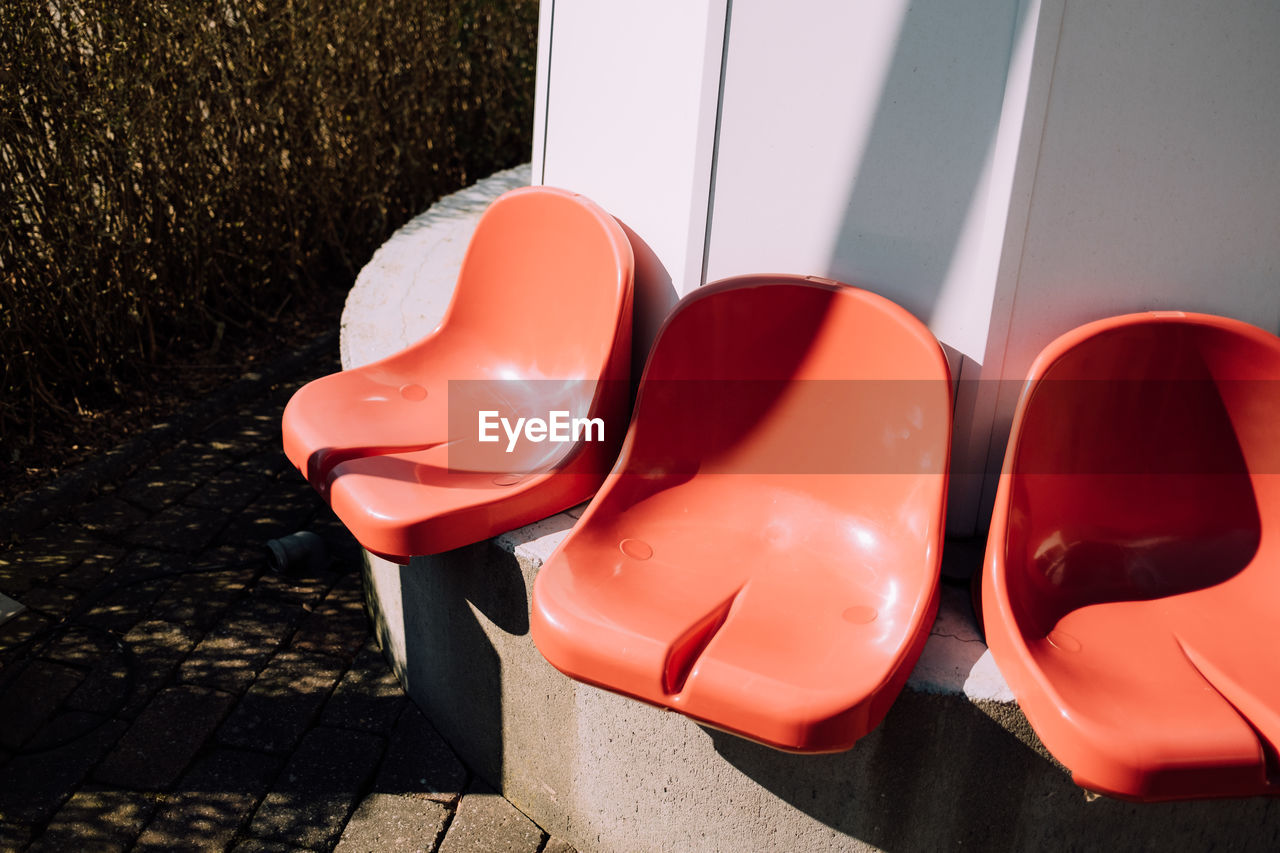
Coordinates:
<point>1132,573</point>
<point>764,556</point>
<point>540,320</point>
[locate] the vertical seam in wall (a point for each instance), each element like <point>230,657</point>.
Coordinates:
<point>1035,171</point>
<point>546,101</point>
<point>989,485</point>
<point>1018,20</point>
<point>973,522</point>
<point>715,143</point>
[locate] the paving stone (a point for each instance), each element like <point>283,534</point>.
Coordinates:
<point>392,823</point>
<point>284,699</point>
<point>158,485</point>
<point>178,527</point>
<point>103,690</point>
<point>230,491</point>
<point>558,845</point>
<point>14,836</point>
<point>368,697</point>
<point>257,845</point>
<point>91,571</point>
<point>199,459</point>
<point>217,629</point>
<point>302,589</point>
<point>132,586</point>
<point>17,632</point>
<point>96,820</point>
<point>29,700</point>
<point>285,485</point>
<point>68,725</point>
<point>211,802</point>
<point>51,600</point>
<point>486,823</point>
<point>159,645</point>
<point>317,790</point>
<point>80,646</point>
<point>268,465</point>
<point>164,738</point>
<point>233,770</point>
<point>201,598</point>
<point>244,433</point>
<point>230,655</point>
<point>251,558</point>
<point>339,623</point>
<point>55,548</point>
<point>283,508</point>
<point>156,649</point>
<point>345,552</point>
<point>33,785</point>
<point>121,607</point>
<point>141,565</point>
<point>419,762</point>
<point>111,515</point>
<point>50,552</point>
<point>16,575</point>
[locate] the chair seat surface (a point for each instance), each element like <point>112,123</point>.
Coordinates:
<point>752,562</point>
<point>540,321</point>
<point>1132,572</point>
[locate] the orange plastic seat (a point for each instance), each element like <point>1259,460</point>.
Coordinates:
<point>764,556</point>
<point>1132,574</point>
<point>540,320</point>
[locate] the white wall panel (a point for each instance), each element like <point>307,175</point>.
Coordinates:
<point>1156,180</point>
<point>630,109</point>
<point>1158,183</point>
<point>856,142</point>
<point>1005,169</point>
<point>875,143</point>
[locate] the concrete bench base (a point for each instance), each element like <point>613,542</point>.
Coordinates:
<point>953,765</point>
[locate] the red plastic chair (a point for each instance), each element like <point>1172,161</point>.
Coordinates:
<point>764,556</point>
<point>540,320</point>
<point>1132,575</point>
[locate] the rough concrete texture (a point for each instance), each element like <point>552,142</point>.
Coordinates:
<point>165,737</point>
<point>953,765</point>
<point>557,845</point>
<point>318,788</point>
<point>212,802</point>
<point>287,695</point>
<point>606,773</point>
<point>393,823</point>
<point>486,823</point>
<point>402,293</point>
<point>419,763</point>
<point>99,820</point>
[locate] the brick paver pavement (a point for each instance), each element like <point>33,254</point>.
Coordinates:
<point>166,690</point>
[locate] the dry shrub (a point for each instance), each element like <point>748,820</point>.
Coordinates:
<point>179,172</point>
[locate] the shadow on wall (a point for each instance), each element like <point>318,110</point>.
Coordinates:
<point>989,758</point>
<point>927,149</point>
<point>920,181</point>
<point>654,296</point>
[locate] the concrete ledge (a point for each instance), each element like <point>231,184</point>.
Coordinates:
<point>954,763</point>
<point>402,293</point>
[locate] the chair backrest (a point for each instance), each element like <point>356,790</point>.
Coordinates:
<point>546,285</point>
<point>782,375</point>
<point>1142,462</point>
